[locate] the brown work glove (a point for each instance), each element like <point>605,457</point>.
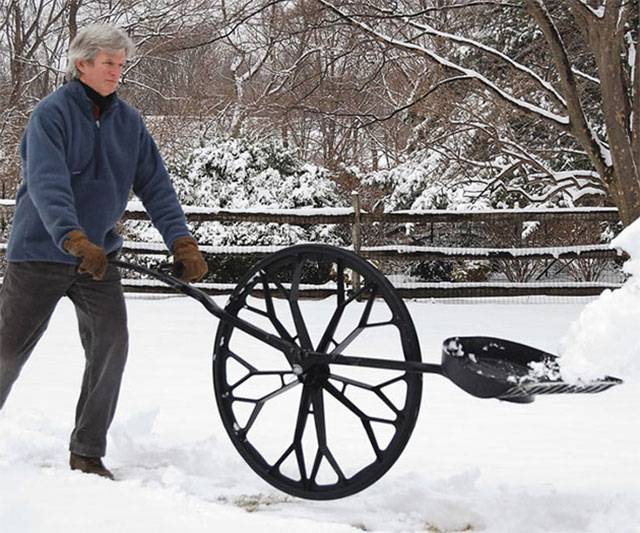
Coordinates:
<point>94,259</point>
<point>189,263</point>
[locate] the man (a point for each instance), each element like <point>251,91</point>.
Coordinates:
<point>82,152</point>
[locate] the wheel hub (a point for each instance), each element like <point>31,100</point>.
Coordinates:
<point>316,374</point>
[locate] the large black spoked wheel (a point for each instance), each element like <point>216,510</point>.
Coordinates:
<point>311,428</point>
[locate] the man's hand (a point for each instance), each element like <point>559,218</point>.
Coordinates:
<point>94,259</point>
<point>187,254</point>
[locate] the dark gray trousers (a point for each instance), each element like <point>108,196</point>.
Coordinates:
<point>28,297</point>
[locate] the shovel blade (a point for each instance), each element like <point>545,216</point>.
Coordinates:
<point>488,367</point>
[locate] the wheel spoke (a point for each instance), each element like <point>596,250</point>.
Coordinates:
<point>351,381</point>
<point>342,398</point>
<point>271,310</point>
<point>364,419</point>
<point>331,389</point>
<point>340,289</point>
<point>260,403</point>
<point>334,464</point>
<point>362,324</point>
<point>321,433</point>
<point>283,457</point>
<point>252,418</point>
<point>279,391</point>
<point>316,466</point>
<point>376,389</point>
<point>298,319</point>
<point>241,361</point>
<point>318,417</point>
<point>301,422</point>
<point>330,331</point>
<point>372,439</point>
<point>380,324</point>
<point>258,373</point>
<point>364,319</point>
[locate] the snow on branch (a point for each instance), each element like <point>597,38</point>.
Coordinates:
<point>523,105</point>
<point>545,85</point>
<point>585,76</point>
<point>587,9</point>
<point>570,184</point>
<point>633,57</point>
<point>580,125</point>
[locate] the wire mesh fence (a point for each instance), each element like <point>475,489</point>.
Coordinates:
<point>452,256</point>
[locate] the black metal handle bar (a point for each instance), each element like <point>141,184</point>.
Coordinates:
<point>284,346</point>
<point>297,357</point>
<point>317,358</point>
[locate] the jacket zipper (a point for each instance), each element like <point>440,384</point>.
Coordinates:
<point>98,138</point>
<point>97,148</point>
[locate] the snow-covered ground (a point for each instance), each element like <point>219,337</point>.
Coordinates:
<point>562,464</point>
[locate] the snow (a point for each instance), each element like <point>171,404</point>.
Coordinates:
<point>567,463</point>
<point>598,12</point>
<point>302,211</point>
<point>230,175</point>
<point>554,251</point>
<point>534,211</point>
<point>160,248</point>
<point>529,210</point>
<point>605,338</point>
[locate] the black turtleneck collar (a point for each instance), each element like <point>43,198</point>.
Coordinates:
<point>101,102</point>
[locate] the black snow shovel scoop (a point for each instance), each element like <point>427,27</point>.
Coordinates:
<point>320,397</point>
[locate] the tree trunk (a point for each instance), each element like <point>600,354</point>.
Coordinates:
<point>607,39</point>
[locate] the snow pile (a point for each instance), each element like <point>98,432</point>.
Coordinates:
<point>605,339</point>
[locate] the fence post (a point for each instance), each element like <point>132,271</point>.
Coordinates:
<point>356,234</point>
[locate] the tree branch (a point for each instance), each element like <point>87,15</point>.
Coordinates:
<point>543,84</point>
<point>522,105</point>
<point>634,118</point>
<point>579,124</point>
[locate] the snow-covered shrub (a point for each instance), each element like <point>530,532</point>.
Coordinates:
<point>239,174</point>
<point>424,181</point>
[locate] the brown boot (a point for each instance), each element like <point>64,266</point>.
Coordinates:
<point>89,465</point>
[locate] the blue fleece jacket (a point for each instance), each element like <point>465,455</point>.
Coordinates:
<point>77,173</point>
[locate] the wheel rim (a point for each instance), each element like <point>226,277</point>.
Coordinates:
<point>325,431</point>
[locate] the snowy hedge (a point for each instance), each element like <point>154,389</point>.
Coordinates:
<point>239,174</point>
<point>426,180</point>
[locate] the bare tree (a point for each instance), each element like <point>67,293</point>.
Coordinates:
<point>34,36</point>
<point>608,137</point>
<point>31,44</point>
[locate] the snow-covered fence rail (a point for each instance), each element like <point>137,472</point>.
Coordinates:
<point>346,215</point>
<point>584,214</point>
<point>329,215</point>
<point>358,220</point>
<point>595,251</point>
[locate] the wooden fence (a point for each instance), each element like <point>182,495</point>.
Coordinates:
<point>359,220</point>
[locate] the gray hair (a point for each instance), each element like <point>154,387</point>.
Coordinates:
<point>93,38</point>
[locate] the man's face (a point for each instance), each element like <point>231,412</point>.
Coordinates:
<point>103,73</point>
